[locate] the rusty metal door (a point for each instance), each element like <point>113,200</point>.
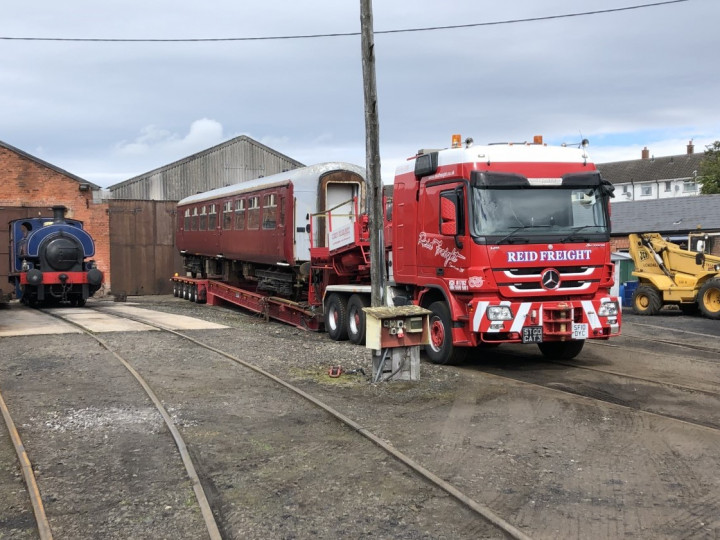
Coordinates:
<point>142,246</point>
<point>8,214</point>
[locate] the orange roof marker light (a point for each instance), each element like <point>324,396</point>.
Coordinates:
<point>456,141</point>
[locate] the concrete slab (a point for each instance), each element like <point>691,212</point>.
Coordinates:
<point>19,320</point>
<point>166,320</point>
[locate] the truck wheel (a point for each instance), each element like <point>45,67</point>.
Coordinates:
<point>356,318</point>
<point>561,350</point>
<point>646,300</point>
<point>441,349</point>
<point>336,317</point>
<point>709,299</point>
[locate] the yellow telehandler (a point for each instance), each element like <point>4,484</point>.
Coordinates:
<point>668,274</point>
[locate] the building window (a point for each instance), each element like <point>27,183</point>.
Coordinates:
<point>668,186</point>
<point>269,211</point>
<point>646,191</point>
<point>227,215</point>
<point>239,214</point>
<point>689,187</point>
<point>253,212</point>
<point>212,217</point>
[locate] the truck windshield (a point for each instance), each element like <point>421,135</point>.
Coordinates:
<point>556,213</point>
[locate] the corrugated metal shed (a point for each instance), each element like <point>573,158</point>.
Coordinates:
<point>234,161</point>
<point>683,214</point>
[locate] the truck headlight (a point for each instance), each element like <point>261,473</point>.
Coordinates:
<point>608,309</point>
<point>499,313</point>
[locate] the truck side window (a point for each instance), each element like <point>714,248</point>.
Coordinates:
<point>452,214</point>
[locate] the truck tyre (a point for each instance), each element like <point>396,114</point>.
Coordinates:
<point>356,318</point>
<point>561,350</point>
<point>441,349</point>
<point>646,300</point>
<point>709,298</point>
<point>336,317</point>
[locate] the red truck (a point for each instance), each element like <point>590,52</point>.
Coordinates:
<point>503,243</point>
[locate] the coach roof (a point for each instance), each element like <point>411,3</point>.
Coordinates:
<point>303,179</point>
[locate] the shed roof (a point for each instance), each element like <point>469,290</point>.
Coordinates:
<point>207,151</point>
<point>48,165</point>
<point>679,214</point>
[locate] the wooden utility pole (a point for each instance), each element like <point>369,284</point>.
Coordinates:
<point>372,156</point>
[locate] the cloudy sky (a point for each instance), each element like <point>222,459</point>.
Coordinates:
<point>107,111</point>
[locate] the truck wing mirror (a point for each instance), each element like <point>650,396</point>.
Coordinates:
<point>448,217</point>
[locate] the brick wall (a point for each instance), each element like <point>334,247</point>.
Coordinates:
<point>25,182</point>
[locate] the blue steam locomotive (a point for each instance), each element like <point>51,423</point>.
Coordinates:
<point>49,260</point>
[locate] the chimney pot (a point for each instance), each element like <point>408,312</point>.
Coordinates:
<point>645,153</point>
<point>690,147</point>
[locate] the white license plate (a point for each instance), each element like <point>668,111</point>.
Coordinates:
<point>580,331</point>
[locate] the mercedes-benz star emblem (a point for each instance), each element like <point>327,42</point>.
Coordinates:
<point>550,279</point>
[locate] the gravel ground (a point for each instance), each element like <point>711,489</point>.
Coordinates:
<point>552,464</point>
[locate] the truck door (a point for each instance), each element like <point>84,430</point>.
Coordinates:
<point>443,242</point>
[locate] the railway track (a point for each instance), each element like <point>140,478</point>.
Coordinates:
<point>693,403</point>
<point>205,501</point>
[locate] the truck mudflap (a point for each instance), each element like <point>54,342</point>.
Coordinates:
<point>538,322</point>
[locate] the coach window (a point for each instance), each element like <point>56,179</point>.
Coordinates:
<point>239,214</point>
<point>203,218</point>
<point>212,217</point>
<point>269,211</point>
<point>194,220</point>
<point>281,221</point>
<point>227,215</point>
<point>253,218</point>
<point>186,221</point>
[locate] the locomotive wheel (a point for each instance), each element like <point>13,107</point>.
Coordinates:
<point>646,300</point>
<point>709,299</point>
<point>561,350</point>
<point>441,349</point>
<point>336,317</point>
<point>356,318</point>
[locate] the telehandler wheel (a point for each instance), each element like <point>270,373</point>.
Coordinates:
<point>646,300</point>
<point>708,299</point>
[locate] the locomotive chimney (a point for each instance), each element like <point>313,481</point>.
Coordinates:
<point>59,213</point>
<point>645,153</point>
<point>690,148</point>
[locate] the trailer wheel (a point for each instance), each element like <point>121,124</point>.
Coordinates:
<point>336,317</point>
<point>175,289</point>
<point>356,318</point>
<point>193,292</point>
<point>561,350</point>
<point>709,299</point>
<point>441,349</point>
<point>646,300</point>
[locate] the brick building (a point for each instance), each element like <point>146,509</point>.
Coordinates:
<point>30,186</point>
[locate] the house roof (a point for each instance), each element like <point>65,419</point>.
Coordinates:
<point>655,169</point>
<point>48,165</point>
<point>679,214</point>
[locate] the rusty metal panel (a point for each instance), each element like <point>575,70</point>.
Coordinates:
<point>142,246</point>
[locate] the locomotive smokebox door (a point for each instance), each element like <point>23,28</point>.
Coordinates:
<point>396,334</point>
